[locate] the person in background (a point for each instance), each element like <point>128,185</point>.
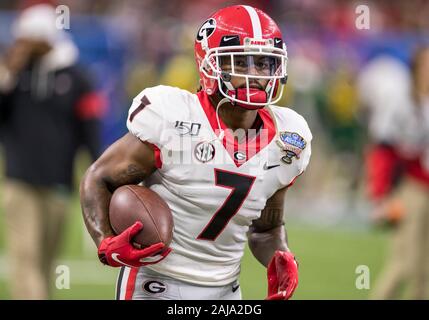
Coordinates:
<point>398,177</point>
<point>48,109</point>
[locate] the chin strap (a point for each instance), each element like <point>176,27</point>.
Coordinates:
<point>221,131</point>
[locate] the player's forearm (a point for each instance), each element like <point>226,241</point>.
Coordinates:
<point>264,244</point>
<point>127,161</point>
<point>95,198</point>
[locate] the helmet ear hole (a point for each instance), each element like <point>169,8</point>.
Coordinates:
<point>225,76</point>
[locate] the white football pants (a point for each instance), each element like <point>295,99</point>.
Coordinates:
<point>146,284</point>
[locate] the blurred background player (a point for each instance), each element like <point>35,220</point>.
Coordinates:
<point>398,170</point>
<point>48,109</point>
<point>228,174</point>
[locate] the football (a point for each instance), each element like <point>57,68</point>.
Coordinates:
<point>131,203</point>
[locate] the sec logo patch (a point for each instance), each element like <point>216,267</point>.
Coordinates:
<point>204,151</point>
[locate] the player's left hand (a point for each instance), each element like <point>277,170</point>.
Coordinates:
<point>282,275</point>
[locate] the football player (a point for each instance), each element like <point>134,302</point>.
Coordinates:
<point>397,167</point>
<point>222,159</point>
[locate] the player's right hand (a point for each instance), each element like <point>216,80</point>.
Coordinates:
<point>118,251</point>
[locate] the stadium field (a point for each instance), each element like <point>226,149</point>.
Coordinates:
<point>328,258</point>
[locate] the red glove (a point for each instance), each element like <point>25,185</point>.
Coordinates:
<point>117,251</point>
<point>282,275</point>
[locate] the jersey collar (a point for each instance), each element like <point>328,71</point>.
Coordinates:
<point>242,152</point>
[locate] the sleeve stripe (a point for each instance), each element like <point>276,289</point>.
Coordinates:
<point>157,153</point>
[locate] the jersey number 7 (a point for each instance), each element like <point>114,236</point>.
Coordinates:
<point>240,186</point>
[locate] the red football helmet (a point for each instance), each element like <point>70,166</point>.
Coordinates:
<point>241,41</point>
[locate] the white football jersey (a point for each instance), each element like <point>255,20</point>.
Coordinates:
<point>214,186</point>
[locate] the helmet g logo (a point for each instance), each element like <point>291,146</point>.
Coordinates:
<point>207,28</point>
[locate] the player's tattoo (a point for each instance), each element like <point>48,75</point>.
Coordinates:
<point>271,217</point>
<point>95,198</point>
<point>88,204</point>
<point>128,162</point>
<point>131,175</point>
<point>267,234</point>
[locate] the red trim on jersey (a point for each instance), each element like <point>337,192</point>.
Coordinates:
<point>293,180</point>
<point>157,153</point>
<point>131,283</point>
<point>231,145</point>
<point>91,106</point>
<point>158,160</point>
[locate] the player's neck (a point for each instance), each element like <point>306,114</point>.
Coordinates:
<point>235,117</point>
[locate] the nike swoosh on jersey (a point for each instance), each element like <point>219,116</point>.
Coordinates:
<point>228,38</point>
<point>267,167</point>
